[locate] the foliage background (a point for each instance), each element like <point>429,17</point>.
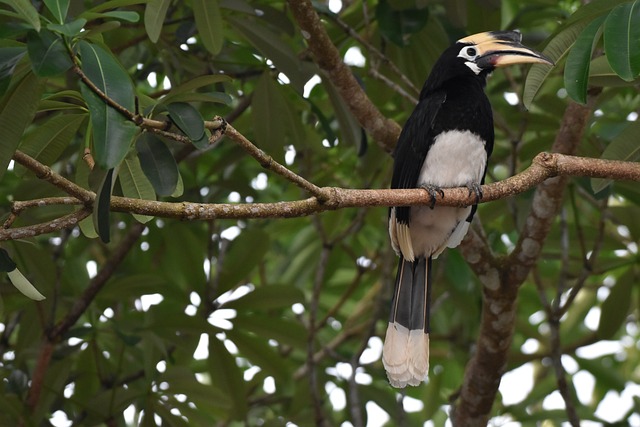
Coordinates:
<point>286,314</point>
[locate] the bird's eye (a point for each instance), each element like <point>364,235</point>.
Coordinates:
<point>471,51</point>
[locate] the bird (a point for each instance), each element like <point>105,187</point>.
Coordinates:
<point>446,142</point>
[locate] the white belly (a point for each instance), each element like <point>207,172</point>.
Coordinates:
<point>454,160</point>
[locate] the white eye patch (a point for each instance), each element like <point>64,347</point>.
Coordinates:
<point>470,53</point>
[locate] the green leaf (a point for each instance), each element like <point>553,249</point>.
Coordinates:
<point>154,14</point>
<point>271,46</point>
<point>621,40</point>
<point>158,164</point>
<point>576,71</point>
<point>624,147</point>
<point>102,207</point>
<point>285,331</point>
<point>23,98</point>
<point>350,129</point>
<point>209,24</point>
<point>27,12</point>
<point>47,141</point>
<point>6,263</point>
<point>397,25</point>
<point>237,265</point>
<point>24,285</point>
<point>9,57</point>
<point>70,29</point>
<point>179,191</point>
<point>48,55</point>
<point>593,9</point>
<point>256,349</point>
<point>601,74</point>
<point>275,122</point>
<point>135,184</point>
<point>58,9</point>
<point>615,308</point>
<point>268,297</point>
<point>123,15</point>
<point>223,370</point>
<point>555,50</point>
<point>188,120</point>
<point>112,133</point>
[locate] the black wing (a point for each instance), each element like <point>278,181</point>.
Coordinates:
<point>415,141</point>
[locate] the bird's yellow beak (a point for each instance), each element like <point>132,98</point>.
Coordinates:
<point>501,48</point>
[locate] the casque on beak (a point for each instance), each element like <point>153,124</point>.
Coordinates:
<point>501,48</point>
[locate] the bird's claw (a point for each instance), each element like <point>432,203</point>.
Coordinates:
<point>475,189</point>
<point>433,192</point>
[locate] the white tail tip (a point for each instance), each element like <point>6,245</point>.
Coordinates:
<point>405,355</point>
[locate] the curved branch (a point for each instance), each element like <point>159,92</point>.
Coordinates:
<point>383,130</point>
<point>544,166</point>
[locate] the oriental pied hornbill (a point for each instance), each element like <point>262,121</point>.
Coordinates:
<point>445,143</point>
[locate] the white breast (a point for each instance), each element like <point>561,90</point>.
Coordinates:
<point>455,159</point>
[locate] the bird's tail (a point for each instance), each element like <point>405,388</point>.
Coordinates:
<point>405,354</point>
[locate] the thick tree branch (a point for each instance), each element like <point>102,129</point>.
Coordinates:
<point>500,290</point>
<point>383,130</point>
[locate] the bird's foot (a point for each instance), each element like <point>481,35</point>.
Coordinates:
<point>433,191</point>
<point>474,188</point>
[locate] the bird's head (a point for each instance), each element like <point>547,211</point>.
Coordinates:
<point>480,54</point>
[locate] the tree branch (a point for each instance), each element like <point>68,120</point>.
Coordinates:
<point>501,284</point>
<point>383,130</point>
<point>544,166</point>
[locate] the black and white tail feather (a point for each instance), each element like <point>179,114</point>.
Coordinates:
<point>406,344</point>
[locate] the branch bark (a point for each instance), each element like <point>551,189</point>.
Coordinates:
<point>383,130</point>
<point>544,167</point>
<point>501,282</point>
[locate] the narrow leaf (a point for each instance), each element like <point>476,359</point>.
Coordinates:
<point>268,108</point>
<point>27,12</point>
<point>47,141</point>
<point>576,70</point>
<point>615,308</point>
<point>154,14</point>
<point>624,147</point>
<point>267,298</point>
<point>209,24</point>
<point>112,133</point>
<point>135,184</point>
<point>58,9</point>
<point>223,370</point>
<point>187,119</point>
<point>555,50</point>
<point>24,285</point>
<point>48,55</point>
<point>271,46</point>
<point>9,57</point>
<point>601,74</point>
<point>621,36</point>
<point>6,263</point>
<point>158,164</point>
<point>23,101</point>
<point>102,207</point>
<point>70,29</point>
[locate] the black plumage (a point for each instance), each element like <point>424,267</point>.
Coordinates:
<point>446,142</point>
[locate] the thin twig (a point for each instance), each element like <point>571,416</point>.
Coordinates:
<point>377,53</point>
<point>320,418</point>
<point>267,162</point>
<point>97,283</point>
